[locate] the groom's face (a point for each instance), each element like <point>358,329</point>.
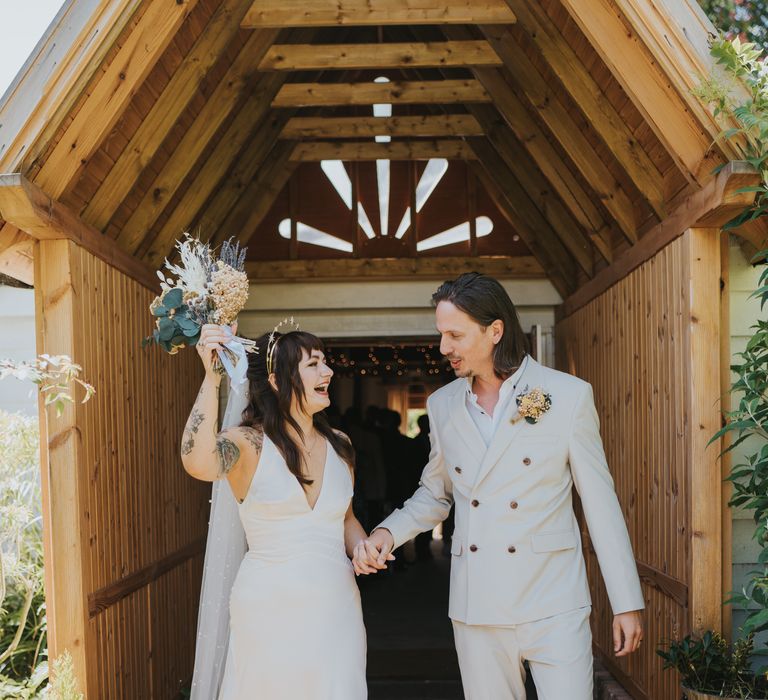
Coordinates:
<point>464,342</point>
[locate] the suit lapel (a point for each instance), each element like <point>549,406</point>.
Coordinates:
<point>508,428</point>
<point>464,424</point>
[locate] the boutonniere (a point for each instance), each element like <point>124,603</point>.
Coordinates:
<point>532,405</point>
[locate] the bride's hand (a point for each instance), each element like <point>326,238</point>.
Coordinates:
<point>212,337</point>
<point>366,558</point>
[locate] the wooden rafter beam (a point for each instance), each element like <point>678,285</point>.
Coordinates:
<point>166,110</point>
<point>333,13</point>
<point>527,81</point>
<point>710,207</point>
<point>587,94</point>
<point>17,254</point>
<point>647,83</point>
<point>539,190</point>
<point>526,218</point>
<point>259,195</point>
<point>354,127</point>
<point>135,57</point>
<point>230,91</point>
<point>24,205</point>
<point>523,267</point>
<point>396,92</point>
<point>452,149</point>
<point>520,140</point>
<point>251,116</point>
<point>438,54</point>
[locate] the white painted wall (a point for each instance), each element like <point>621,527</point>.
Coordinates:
<point>376,309</point>
<point>743,313</point>
<point>17,342</point>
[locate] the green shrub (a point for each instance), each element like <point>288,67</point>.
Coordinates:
<point>23,648</point>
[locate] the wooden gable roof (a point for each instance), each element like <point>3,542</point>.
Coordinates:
<point>135,120</point>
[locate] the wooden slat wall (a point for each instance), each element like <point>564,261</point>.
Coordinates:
<point>129,504</point>
<point>636,344</point>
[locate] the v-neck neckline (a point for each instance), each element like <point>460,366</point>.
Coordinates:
<point>310,507</point>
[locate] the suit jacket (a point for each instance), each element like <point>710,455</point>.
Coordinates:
<point>516,549</point>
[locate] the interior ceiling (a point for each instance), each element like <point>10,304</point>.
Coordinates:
<point>224,126</point>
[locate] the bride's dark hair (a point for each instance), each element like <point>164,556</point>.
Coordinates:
<point>270,410</point>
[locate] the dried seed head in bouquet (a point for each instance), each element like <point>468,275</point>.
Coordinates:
<point>229,283</point>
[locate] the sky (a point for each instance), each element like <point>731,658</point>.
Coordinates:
<point>21,26</point>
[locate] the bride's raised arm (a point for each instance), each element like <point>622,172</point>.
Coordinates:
<point>206,453</point>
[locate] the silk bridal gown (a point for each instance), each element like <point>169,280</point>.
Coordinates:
<point>296,625</point>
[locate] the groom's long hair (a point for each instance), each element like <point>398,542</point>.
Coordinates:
<point>270,410</point>
<point>484,300</point>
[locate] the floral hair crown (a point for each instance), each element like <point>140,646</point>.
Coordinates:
<point>273,338</point>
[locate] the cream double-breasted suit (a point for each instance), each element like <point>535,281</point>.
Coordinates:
<point>516,549</point>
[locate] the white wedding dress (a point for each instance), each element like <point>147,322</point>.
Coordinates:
<point>296,625</point>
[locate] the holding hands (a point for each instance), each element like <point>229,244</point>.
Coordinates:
<point>372,554</point>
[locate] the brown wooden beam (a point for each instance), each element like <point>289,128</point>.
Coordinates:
<point>538,189</point>
<point>252,116</point>
<point>257,198</point>
<point>712,206</point>
<point>527,220</point>
<point>588,95</point>
<point>452,149</point>
<point>17,254</point>
<point>356,127</point>
<point>647,82</point>
<point>334,13</point>
<point>104,598</point>
<point>24,205</point>
<point>395,92</point>
<point>438,54</point>
<point>166,110</point>
<point>527,81</point>
<point>524,267</point>
<point>230,91</point>
<point>135,56</point>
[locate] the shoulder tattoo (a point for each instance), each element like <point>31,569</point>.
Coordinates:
<point>255,437</point>
<point>228,453</point>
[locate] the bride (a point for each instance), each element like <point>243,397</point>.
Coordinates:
<point>295,622</point>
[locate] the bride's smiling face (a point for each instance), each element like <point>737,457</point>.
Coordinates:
<point>315,378</point>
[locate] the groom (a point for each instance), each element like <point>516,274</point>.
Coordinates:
<point>510,438</point>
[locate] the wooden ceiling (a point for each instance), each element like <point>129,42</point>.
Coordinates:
<point>573,118</point>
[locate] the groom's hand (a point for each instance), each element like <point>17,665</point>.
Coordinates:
<point>372,554</point>
<point>627,632</point>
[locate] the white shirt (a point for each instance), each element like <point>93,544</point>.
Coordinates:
<point>485,422</point>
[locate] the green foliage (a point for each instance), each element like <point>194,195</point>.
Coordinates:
<point>23,651</point>
<point>175,325</point>
<point>740,93</point>
<point>53,374</point>
<point>744,19</point>
<point>709,665</point>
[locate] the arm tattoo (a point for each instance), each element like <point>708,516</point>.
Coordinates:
<point>228,454</point>
<point>188,441</point>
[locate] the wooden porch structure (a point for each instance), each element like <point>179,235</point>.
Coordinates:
<point>569,123</point>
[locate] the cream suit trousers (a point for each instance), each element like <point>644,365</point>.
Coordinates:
<point>558,650</point>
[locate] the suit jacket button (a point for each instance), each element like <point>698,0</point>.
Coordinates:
<point>475,503</point>
<point>473,548</point>
<point>513,505</point>
<point>511,550</point>
<point>457,470</point>
<point>526,461</point>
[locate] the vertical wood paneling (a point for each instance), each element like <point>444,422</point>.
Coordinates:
<point>649,346</point>
<point>117,499</point>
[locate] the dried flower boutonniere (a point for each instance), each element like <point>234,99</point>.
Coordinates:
<point>532,405</point>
